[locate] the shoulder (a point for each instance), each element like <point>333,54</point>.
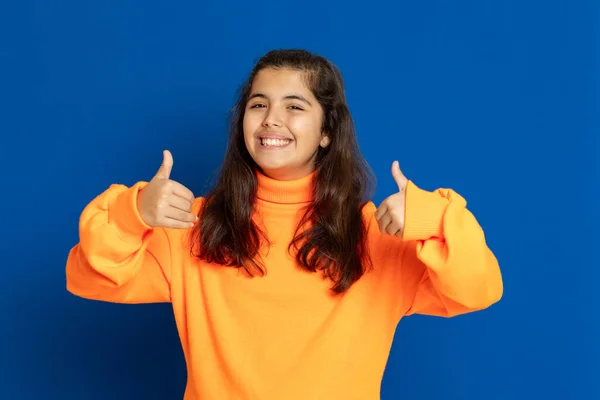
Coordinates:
<point>369,208</point>
<point>368,211</point>
<point>197,205</point>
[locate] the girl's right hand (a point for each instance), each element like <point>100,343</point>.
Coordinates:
<point>164,202</point>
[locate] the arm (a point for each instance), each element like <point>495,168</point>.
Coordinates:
<point>119,258</point>
<point>447,267</point>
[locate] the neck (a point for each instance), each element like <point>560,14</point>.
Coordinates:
<point>291,191</point>
<point>289,174</point>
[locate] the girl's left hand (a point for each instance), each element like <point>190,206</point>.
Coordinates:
<point>390,213</point>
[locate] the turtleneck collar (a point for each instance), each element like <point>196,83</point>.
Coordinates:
<point>285,192</point>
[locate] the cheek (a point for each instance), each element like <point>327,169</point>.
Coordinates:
<point>250,125</point>
<point>306,127</point>
<point>248,134</point>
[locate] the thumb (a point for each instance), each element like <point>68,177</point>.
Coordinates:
<point>399,177</point>
<point>164,172</point>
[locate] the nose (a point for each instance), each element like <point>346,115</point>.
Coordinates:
<point>272,118</point>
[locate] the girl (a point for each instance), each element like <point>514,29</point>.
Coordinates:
<point>286,281</point>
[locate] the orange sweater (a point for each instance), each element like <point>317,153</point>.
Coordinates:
<point>283,336</point>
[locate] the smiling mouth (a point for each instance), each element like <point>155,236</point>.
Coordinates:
<point>274,142</point>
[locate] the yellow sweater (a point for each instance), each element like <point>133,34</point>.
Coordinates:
<point>284,336</point>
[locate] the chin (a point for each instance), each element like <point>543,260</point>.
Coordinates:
<point>274,170</point>
<point>273,167</point>
<point>271,163</point>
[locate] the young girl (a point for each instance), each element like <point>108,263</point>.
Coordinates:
<point>286,281</point>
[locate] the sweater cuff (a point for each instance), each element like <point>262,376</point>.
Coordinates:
<point>125,215</point>
<point>424,213</point>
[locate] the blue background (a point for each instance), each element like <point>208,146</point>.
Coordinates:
<point>495,99</point>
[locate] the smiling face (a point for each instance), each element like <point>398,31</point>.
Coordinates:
<point>282,124</point>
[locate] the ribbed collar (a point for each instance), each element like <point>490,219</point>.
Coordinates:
<point>285,192</point>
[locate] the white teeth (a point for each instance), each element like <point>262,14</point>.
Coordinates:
<point>274,142</point>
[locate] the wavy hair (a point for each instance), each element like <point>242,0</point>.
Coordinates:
<point>335,243</point>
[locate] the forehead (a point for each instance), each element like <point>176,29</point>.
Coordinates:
<point>279,81</point>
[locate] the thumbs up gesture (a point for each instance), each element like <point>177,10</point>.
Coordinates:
<point>164,202</point>
<point>390,213</point>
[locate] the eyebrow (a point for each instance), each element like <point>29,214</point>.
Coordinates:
<point>293,96</point>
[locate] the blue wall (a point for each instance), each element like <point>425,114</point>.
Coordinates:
<point>495,99</point>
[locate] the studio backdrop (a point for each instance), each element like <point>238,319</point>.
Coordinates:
<point>497,100</point>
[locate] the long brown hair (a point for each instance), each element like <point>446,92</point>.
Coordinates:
<point>335,243</point>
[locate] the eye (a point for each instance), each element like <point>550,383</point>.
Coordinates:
<point>296,108</point>
<point>257,105</point>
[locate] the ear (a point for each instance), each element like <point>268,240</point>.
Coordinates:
<point>324,141</point>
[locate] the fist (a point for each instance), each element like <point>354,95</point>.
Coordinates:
<point>164,202</point>
<point>390,214</point>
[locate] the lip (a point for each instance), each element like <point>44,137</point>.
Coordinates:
<point>272,135</point>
